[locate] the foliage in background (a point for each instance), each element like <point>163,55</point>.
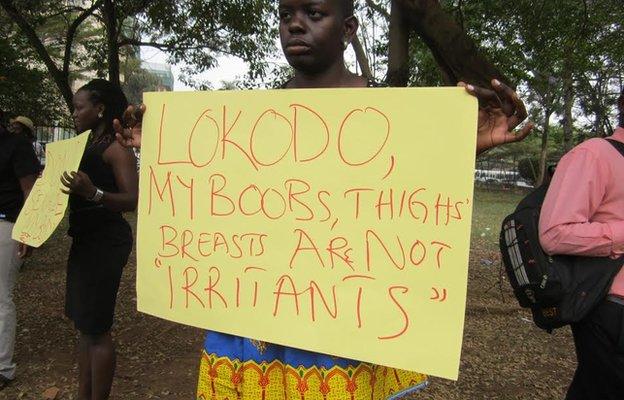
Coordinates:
<point>196,32</point>
<point>137,80</point>
<point>25,89</point>
<point>93,34</point>
<point>566,57</point>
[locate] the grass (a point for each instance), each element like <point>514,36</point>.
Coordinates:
<point>490,207</point>
<point>504,355</point>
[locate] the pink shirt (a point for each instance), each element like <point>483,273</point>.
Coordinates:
<point>583,212</point>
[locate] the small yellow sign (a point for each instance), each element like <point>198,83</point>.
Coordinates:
<point>45,207</point>
<point>336,221</point>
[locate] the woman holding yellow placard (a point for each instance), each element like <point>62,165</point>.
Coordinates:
<point>105,186</point>
<point>314,36</point>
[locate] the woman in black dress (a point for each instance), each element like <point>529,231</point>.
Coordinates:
<point>105,186</point>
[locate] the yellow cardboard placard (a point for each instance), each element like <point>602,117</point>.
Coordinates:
<point>336,221</point>
<point>45,207</point>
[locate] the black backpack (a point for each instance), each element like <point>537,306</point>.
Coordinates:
<point>561,289</point>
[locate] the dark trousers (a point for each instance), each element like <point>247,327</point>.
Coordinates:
<point>599,342</point>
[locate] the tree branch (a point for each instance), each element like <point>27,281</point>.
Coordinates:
<point>137,7</point>
<point>460,9</point>
<point>61,79</point>
<point>398,53</point>
<point>167,46</point>
<point>362,60</point>
<point>110,20</point>
<point>378,8</point>
<point>159,46</point>
<point>61,13</point>
<point>454,51</point>
<point>71,33</point>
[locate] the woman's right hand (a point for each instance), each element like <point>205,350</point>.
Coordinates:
<point>128,132</point>
<point>24,250</point>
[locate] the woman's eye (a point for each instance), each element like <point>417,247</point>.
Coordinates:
<point>284,15</point>
<point>314,14</point>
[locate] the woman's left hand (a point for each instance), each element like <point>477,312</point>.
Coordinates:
<point>500,112</point>
<point>78,183</point>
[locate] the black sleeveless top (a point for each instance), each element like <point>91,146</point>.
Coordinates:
<point>86,216</point>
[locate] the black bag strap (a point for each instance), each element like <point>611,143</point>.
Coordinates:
<point>619,146</point>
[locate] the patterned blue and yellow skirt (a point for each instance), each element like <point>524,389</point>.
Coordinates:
<point>235,368</point>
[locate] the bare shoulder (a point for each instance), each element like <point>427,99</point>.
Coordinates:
<point>116,152</point>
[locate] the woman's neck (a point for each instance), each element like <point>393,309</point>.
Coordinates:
<point>98,132</point>
<point>335,76</point>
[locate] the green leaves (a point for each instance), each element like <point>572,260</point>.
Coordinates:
<point>196,32</point>
<point>25,87</point>
<point>191,32</point>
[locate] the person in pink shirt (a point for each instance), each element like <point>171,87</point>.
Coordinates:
<point>583,214</point>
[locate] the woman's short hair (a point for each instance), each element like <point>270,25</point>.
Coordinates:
<point>111,96</point>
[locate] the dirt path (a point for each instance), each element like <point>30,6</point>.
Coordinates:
<point>504,356</point>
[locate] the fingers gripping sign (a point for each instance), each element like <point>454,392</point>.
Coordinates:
<point>77,183</point>
<point>501,111</point>
<point>67,180</point>
<point>128,132</point>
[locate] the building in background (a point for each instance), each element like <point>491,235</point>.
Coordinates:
<point>163,74</point>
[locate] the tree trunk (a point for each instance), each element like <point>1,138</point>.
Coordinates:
<point>110,20</point>
<point>71,34</point>
<point>362,60</point>
<point>599,111</point>
<point>60,78</point>
<point>456,54</point>
<point>544,151</point>
<point>598,119</point>
<point>568,103</point>
<point>398,53</point>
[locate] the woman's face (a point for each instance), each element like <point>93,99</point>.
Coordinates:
<point>312,33</point>
<point>85,114</point>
